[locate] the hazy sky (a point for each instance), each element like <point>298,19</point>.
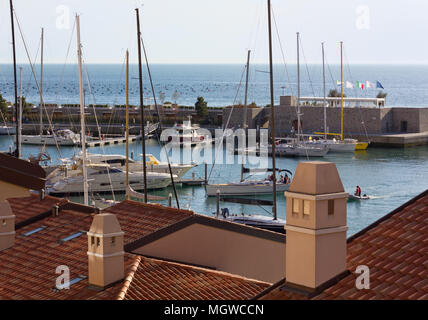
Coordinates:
<point>221,31</point>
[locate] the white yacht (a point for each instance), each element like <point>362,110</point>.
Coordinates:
<point>345,145</point>
<point>187,134</point>
<point>299,149</point>
<point>6,130</point>
<point>62,137</point>
<point>152,163</point>
<point>102,178</point>
<point>249,187</point>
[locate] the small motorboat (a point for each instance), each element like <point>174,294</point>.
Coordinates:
<point>354,197</point>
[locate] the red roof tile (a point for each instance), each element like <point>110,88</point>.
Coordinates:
<point>138,219</point>
<point>395,250</point>
<point>30,207</point>
<point>28,269</point>
<point>155,279</point>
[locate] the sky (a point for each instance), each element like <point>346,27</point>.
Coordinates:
<point>220,31</point>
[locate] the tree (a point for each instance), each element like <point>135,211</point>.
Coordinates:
<point>3,105</point>
<point>333,93</point>
<point>201,107</point>
<point>381,95</point>
<point>26,106</point>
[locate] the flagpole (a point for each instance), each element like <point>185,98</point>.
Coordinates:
<point>341,90</point>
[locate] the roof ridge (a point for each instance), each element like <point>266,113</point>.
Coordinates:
<point>152,205</point>
<point>222,273</point>
<point>128,280</point>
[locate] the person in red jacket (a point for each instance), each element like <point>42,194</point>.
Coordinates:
<point>358,191</point>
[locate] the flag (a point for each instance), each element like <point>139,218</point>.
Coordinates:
<point>338,82</point>
<point>379,85</point>
<point>349,85</point>
<point>369,84</point>
<point>360,85</point>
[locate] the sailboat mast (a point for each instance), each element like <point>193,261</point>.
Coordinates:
<point>20,111</point>
<point>298,87</point>
<point>140,77</point>
<point>41,84</point>
<point>272,112</point>
<point>18,128</point>
<point>127,118</point>
<point>325,105</point>
<point>82,114</point>
<point>245,110</point>
<point>341,90</point>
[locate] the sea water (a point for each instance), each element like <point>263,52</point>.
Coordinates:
<point>390,176</point>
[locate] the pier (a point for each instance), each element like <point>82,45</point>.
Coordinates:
<point>364,119</point>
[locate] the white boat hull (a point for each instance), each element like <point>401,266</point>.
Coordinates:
<point>5,130</point>
<point>73,183</point>
<point>290,150</point>
<point>347,145</point>
<point>49,140</point>
<point>244,189</point>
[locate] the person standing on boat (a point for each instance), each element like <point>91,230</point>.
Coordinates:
<point>358,191</point>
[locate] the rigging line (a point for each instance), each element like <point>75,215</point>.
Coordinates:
<point>7,127</point>
<point>307,68</point>
<point>159,117</point>
<point>37,83</point>
<point>96,121</point>
<point>359,109</point>
<point>330,73</point>
<point>62,75</point>
<point>282,52</point>
<point>227,123</point>
<point>119,90</point>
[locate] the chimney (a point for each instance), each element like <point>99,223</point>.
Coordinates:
<point>316,226</point>
<point>105,251</point>
<point>7,226</point>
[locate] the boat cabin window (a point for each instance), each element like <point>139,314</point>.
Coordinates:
<point>115,161</point>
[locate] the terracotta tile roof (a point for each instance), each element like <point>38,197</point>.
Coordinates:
<point>21,172</point>
<point>138,219</point>
<point>28,269</point>
<point>395,248</point>
<point>160,280</point>
<point>30,207</point>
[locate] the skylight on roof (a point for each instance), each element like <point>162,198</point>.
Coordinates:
<point>29,233</point>
<point>73,236</point>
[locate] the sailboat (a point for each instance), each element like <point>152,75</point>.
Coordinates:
<point>61,137</point>
<point>103,178</point>
<point>153,164</point>
<point>247,187</point>
<point>298,148</point>
<point>260,221</point>
<point>334,145</point>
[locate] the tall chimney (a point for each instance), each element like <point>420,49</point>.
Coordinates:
<point>105,251</point>
<point>7,226</point>
<point>316,226</point>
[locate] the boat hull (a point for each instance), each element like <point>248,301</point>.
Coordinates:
<point>48,140</point>
<point>243,190</point>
